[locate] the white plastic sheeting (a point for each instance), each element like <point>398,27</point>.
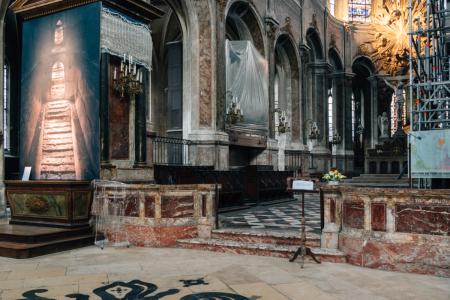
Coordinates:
<point>247,75</point>
<point>119,36</point>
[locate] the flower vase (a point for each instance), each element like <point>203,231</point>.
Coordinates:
<point>333,182</point>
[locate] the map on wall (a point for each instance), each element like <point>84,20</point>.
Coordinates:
<point>430,154</point>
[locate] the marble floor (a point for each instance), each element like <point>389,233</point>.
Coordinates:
<point>283,216</point>
<point>172,273</point>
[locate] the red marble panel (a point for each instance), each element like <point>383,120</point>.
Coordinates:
<point>119,117</point>
<point>143,236</point>
<point>332,210</point>
<point>424,219</point>
<point>149,207</point>
<point>354,214</point>
<point>170,234</point>
<point>132,206</point>
<point>204,201</point>
<point>379,216</point>
<point>177,207</point>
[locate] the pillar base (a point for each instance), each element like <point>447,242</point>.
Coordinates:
<point>106,165</point>
<point>140,165</point>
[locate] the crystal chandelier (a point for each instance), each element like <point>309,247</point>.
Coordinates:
<point>130,80</point>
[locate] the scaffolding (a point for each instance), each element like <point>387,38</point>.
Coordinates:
<point>429,67</point>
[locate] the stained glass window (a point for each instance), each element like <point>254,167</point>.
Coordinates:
<point>359,10</point>
<point>330,114</point>
<point>394,114</point>
<point>332,7</point>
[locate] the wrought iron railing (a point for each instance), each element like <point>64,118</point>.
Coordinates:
<point>171,151</point>
<point>293,161</point>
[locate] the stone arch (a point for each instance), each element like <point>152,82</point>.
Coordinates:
<point>315,43</point>
<point>335,60</point>
<point>252,20</point>
<point>197,24</point>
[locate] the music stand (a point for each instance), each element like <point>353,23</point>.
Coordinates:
<point>303,185</point>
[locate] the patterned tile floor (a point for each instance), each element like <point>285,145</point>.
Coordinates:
<point>283,216</point>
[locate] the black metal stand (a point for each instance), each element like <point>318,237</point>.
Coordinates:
<point>303,250</point>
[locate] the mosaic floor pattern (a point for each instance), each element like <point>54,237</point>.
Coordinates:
<point>284,216</point>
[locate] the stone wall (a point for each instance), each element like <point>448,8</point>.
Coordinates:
<point>390,229</point>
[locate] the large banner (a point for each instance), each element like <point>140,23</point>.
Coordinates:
<point>430,154</point>
<point>59,125</point>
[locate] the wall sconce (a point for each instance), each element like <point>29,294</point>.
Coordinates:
<point>234,112</point>
<point>130,82</point>
<point>283,124</point>
<point>315,132</point>
<point>336,139</point>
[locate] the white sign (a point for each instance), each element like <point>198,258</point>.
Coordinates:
<point>26,174</point>
<point>302,185</point>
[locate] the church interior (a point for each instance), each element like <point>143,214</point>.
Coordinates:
<point>225,149</point>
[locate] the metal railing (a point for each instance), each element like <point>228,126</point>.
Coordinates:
<point>293,161</point>
<point>171,151</point>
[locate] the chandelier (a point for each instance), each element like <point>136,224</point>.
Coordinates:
<point>130,80</point>
<point>336,138</point>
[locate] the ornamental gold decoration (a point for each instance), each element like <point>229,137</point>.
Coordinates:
<point>390,50</point>
<point>37,205</point>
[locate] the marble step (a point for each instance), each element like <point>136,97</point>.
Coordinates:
<point>56,110</point>
<point>262,249</point>
<point>58,168</point>
<point>67,128</point>
<point>66,160</point>
<point>57,141</point>
<point>57,122</point>
<point>288,237</point>
<point>58,154</point>
<point>60,147</point>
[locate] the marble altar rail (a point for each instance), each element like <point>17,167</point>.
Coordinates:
<point>405,230</point>
<point>159,215</point>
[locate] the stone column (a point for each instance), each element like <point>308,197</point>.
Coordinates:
<point>220,71</point>
<point>271,27</point>
<point>332,217</point>
<point>140,137</point>
<point>104,111</point>
<point>304,128</point>
<point>374,104</point>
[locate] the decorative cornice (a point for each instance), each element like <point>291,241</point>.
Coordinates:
<point>287,27</point>
<point>222,4</point>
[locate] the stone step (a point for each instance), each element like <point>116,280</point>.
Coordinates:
<point>58,154</point>
<point>287,237</point>
<point>54,129</point>
<point>63,175</point>
<point>57,110</point>
<point>59,168</point>
<point>66,160</point>
<point>262,249</point>
<point>56,141</point>
<point>58,135</point>
<point>58,122</point>
<point>59,116</point>
<point>60,147</point>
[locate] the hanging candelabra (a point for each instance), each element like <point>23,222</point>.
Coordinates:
<point>315,132</point>
<point>283,124</point>
<point>130,80</point>
<point>234,112</point>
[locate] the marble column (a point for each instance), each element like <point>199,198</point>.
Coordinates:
<point>220,71</point>
<point>104,111</point>
<point>374,104</point>
<point>304,128</point>
<point>140,137</point>
<point>271,27</point>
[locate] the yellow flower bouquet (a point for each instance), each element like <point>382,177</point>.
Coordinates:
<point>333,176</point>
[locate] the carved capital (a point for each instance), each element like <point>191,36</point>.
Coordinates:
<point>223,4</point>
